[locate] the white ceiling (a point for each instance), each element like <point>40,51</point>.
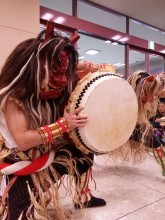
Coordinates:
<point>148,11</point>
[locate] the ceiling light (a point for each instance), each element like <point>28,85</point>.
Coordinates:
<point>42,26</point>
<point>162,51</point>
<point>59,20</point>
<point>47,16</point>
<point>107,41</point>
<point>116,37</point>
<point>115,43</point>
<point>118,64</point>
<point>121,64</point>
<point>151,45</point>
<point>81,57</point>
<point>123,39</point>
<point>92,52</point>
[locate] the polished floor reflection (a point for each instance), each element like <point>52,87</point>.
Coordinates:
<point>132,192</point>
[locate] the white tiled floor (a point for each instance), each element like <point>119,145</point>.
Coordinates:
<point>132,192</point>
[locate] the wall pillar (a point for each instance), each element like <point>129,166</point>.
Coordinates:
<point>19,20</point>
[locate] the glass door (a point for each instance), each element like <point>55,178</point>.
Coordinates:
<point>137,61</point>
<point>156,64</point>
<point>142,60</point>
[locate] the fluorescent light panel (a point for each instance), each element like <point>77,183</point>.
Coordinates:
<point>47,16</point>
<point>116,37</point>
<point>59,20</point>
<point>162,51</point>
<point>92,52</point>
<point>81,57</point>
<point>107,41</point>
<point>123,39</point>
<point>118,64</point>
<point>115,43</point>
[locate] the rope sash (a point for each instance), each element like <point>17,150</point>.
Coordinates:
<point>22,168</point>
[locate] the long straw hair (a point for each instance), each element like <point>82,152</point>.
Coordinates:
<point>147,88</point>
<point>27,69</point>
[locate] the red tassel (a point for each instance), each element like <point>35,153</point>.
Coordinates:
<point>160,152</point>
<point>150,78</point>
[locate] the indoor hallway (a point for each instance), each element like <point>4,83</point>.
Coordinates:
<point>132,192</point>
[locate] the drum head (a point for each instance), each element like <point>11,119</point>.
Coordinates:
<point>111,105</point>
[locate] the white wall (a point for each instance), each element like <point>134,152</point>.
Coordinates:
<point>19,20</point>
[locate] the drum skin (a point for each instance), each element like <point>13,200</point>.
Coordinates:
<point>111,105</point>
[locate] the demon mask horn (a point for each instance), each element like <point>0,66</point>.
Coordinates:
<point>74,38</point>
<point>49,30</point>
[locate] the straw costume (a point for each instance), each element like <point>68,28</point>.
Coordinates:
<point>143,141</point>
<point>148,89</point>
<point>36,81</point>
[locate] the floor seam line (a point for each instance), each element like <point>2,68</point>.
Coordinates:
<point>141,208</point>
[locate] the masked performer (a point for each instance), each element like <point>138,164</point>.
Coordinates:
<point>35,81</point>
<point>148,89</point>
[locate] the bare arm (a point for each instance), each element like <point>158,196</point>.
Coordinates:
<point>19,128</point>
<point>18,125</point>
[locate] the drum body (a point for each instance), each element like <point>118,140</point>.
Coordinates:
<point>111,105</point>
